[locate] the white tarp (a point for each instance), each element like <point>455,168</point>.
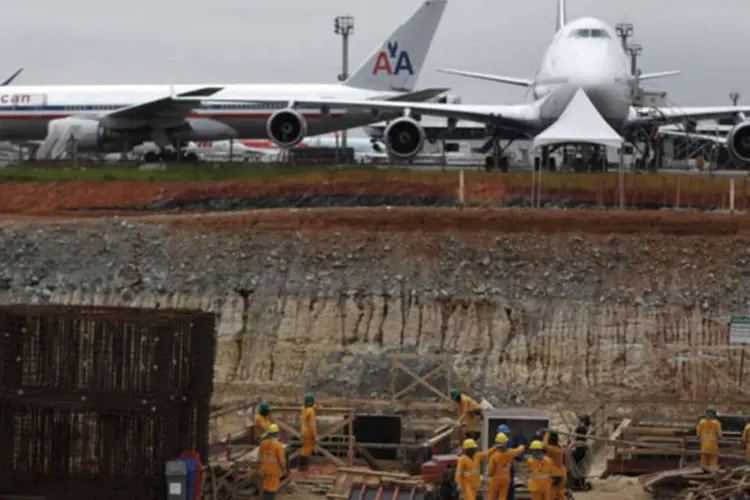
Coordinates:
<point>580,122</point>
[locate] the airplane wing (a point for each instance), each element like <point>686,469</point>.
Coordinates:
<point>12,77</point>
<point>674,114</point>
<point>419,95</point>
<point>660,74</point>
<point>520,116</point>
<point>521,82</point>
<point>165,107</point>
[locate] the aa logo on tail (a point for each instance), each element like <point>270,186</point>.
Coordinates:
<point>393,61</point>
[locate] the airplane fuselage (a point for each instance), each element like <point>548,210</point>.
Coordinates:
<point>26,111</point>
<point>587,54</point>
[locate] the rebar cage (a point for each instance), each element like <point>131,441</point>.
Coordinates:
<point>95,400</point>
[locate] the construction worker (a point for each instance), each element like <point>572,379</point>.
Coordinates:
<point>261,422</point>
<point>746,440</point>
<point>468,470</point>
<point>272,462</point>
<point>556,453</point>
<point>502,428</point>
<point>500,468</point>
<point>543,476</point>
<point>709,432</point>
<point>469,413</point>
<point>308,432</point>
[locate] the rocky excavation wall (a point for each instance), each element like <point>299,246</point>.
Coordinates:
<point>526,315</point>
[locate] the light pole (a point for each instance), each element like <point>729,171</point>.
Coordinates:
<point>635,50</point>
<point>735,97</point>
<point>344,27</point>
<point>624,32</point>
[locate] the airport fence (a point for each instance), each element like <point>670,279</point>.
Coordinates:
<point>94,401</point>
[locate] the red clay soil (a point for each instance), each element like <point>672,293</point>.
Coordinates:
<point>480,190</point>
<point>55,197</point>
<point>471,220</point>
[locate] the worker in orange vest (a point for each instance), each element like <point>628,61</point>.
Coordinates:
<point>272,462</point>
<point>709,432</point>
<point>468,470</point>
<point>261,422</point>
<point>746,440</point>
<point>499,468</point>
<point>556,453</point>
<point>308,432</point>
<point>543,475</point>
<point>469,412</point>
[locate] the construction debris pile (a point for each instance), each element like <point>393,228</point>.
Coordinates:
<point>695,483</point>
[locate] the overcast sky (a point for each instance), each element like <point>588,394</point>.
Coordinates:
<point>233,41</point>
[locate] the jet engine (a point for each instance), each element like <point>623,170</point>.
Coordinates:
<point>738,142</point>
<point>286,127</point>
<point>88,134</point>
<point>404,137</point>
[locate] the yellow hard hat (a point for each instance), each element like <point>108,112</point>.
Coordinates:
<point>470,444</point>
<point>501,438</point>
<point>273,429</point>
<point>536,445</point>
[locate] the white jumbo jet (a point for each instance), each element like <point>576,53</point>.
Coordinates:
<point>581,94</point>
<point>116,118</point>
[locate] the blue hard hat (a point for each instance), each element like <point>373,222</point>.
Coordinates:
<point>503,428</point>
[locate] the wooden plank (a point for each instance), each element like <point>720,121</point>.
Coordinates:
<point>289,429</point>
<point>419,356</point>
<point>428,385</point>
<point>422,381</point>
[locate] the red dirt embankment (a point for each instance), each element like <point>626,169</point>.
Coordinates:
<point>501,221</point>
<point>481,189</point>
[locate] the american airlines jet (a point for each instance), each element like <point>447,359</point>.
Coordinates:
<point>116,118</point>
<point>584,77</point>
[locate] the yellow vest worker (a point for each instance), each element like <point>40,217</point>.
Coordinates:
<point>543,476</point>
<point>272,462</point>
<point>556,454</point>
<point>468,472</point>
<point>308,432</point>
<point>498,470</point>
<point>261,422</point>
<point>469,412</point>
<point>746,440</point>
<point>709,432</point>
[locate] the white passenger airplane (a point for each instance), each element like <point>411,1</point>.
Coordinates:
<point>118,117</point>
<point>584,77</point>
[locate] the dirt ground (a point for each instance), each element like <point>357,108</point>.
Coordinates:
<point>479,189</point>
<point>469,220</point>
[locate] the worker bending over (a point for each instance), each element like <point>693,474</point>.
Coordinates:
<point>469,413</point>
<point>543,475</point>
<point>272,462</point>
<point>709,432</point>
<point>468,470</point>
<point>308,432</point>
<point>556,453</point>
<point>500,466</point>
<point>261,422</point>
<point>746,440</point>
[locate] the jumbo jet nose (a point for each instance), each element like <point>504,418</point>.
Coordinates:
<point>593,71</point>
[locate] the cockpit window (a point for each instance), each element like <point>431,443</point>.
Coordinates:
<point>589,33</point>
